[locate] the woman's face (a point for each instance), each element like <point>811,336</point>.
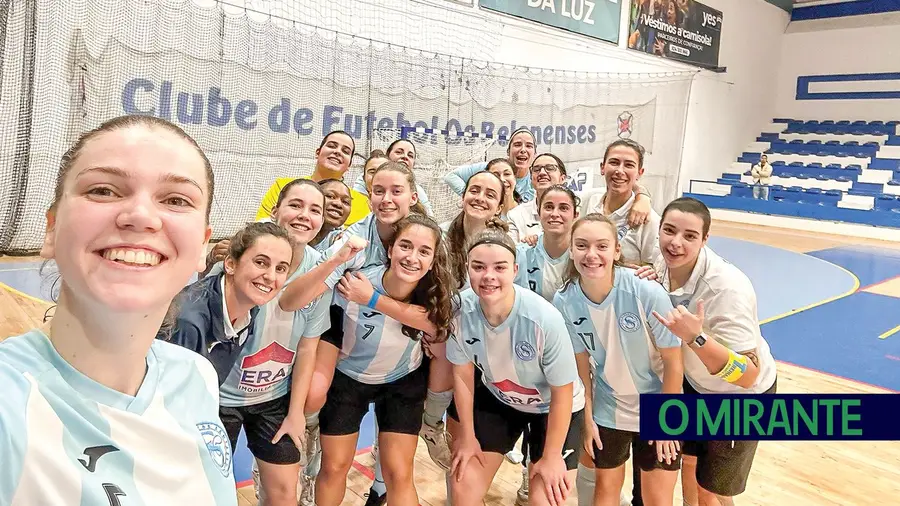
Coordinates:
<point>557,212</point>
<point>681,238</point>
<point>482,198</point>
<point>621,169</point>
<point>521,152</point>
<point>545,173</point>
<point>391,197</point>
<point>262,270</point>
<point>336,153</point>
<point>412,254</point>
<point>369,171</point>
<point>594,249</point>
<point>337,203</point>
<point>764,160</point>
<point>403,152</point>
<point>301,213</point>
<point>506,174</point>
<point>492,269</point>
<point>130,228</point>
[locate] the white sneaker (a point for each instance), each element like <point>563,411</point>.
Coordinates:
<point>438,442</point>
<point>522,494</point>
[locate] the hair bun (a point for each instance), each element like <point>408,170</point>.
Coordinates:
<point>496,222</point>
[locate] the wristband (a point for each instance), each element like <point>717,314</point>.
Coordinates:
<point>734,369</point>
<point>373,300</point>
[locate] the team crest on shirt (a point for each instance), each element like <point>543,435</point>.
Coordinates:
<point>525,351</point>
<point>623,230</point>
<point>218,445</point>
<point>264,369</point>
<point>629,322</point>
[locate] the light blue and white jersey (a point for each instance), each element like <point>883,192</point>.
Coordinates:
<point>539,272</point>
<point>521,358</point>
<point>262,371</point>
<point>374,254</point>
<point>374,349</point>
<point>622,337</point>
<point>66,439</point>
<point>328,240</point>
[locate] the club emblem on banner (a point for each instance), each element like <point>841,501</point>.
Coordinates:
<point>625,125</point>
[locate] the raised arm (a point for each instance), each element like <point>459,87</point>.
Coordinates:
<point>739,366</point>
<point>308,287</point>
<point>458,178</point>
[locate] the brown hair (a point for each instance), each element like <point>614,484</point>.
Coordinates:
<point>246,237</point>
<point>410,179</point>
<point>691,206</point>
<point>435,290</point>
<point>352,141</point>
<point>299,182</point>
<point>628,143</point>
<point>122,123</point>
<point>496,232</point>
<point>572,273</point>
<point>562,166</point>
<point>456,235</point>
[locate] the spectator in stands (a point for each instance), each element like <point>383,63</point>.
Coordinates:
<point>762,175</point>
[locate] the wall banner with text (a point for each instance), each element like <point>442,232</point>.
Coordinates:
<point>594,18</point>
<point>682,30</point>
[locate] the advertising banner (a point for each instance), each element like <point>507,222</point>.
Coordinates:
<point>594,18</point>
<point>682,30</point>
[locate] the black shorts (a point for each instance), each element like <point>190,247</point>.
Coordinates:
<point>722,466</point>
<point>616,450</point>
<point>261,422</point>
<point>399,405</point>
<point>498,427</point>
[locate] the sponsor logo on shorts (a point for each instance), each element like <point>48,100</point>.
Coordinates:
<point>218,445</point>
<point>629,322</point>
<point>525,351</point>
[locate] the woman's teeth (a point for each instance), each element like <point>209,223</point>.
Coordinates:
<point>130,256</point>
<point>262,288</point>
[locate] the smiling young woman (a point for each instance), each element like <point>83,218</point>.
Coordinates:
<point>94,405</point>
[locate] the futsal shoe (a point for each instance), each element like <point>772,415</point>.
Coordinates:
<point>374,499</point>
<point>437,441</point>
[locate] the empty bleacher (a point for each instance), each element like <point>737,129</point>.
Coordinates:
<point>827,170</point>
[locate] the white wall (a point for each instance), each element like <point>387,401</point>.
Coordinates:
<point>837,51</point>
<point>728,111</point>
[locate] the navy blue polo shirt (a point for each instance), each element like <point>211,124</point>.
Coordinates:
<point>200,325</point>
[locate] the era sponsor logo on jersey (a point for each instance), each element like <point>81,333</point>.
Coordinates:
<point>265,368</point>
<point>513,393</point>
<point>218,445</point>
<point>629,322</point>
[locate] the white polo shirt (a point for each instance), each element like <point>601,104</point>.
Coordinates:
<point>731,319</point>
<point>640,246</point>
<point>524,221</point>
<point>238,331</point>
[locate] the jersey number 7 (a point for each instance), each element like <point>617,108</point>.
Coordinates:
<point>369,330</point>
<point>588,338</point>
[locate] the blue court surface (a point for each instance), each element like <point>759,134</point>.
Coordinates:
<point>811,306</point>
